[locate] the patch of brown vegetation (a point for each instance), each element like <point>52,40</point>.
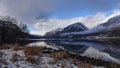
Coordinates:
<point>59,55</point>
<point>33,50</point>
<point>17,48</point>
<point>4,46</point>
<point>14,57</point>
<point>32,60</point>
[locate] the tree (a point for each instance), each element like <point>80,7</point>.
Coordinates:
<point>9,19</point>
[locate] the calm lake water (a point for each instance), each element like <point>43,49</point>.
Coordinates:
<point>95,49</point>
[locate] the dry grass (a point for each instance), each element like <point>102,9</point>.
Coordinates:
<point>32,60</point>
<point>14,57</point>
<point>59,55</point>
<point>4,46</point>
<point>17,48</point>
<point>33,50</point>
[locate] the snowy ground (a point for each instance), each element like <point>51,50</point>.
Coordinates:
<point>10,58</point>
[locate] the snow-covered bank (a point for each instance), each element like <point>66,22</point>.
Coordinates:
<point>42,57</point>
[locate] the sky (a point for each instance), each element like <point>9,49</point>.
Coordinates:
<point>42,16</point>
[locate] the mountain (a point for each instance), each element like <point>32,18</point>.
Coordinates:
<point>76,27</point>
<point>54,33</point>
<point>109,28</point>
<point>112,22</point>
<point>111,25</point>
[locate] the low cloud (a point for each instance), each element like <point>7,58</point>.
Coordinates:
<point>27,10</point>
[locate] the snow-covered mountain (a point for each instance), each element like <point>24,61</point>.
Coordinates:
<point>112,27</point>
<point>111,24</point>
<point>76,27</point>
<point>54,33</point>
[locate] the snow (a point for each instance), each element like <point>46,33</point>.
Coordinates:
<point>43,61</point>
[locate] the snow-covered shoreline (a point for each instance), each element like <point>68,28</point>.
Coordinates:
<point>15,57</point>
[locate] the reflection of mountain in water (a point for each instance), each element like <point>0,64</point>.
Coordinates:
<point>89,48</point>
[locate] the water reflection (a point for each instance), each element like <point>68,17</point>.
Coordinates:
<point>88,48</point>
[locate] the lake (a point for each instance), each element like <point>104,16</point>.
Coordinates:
<point>108,51</point>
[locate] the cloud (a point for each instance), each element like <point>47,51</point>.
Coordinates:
<point>90,21</point>
<point>26,10</point>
